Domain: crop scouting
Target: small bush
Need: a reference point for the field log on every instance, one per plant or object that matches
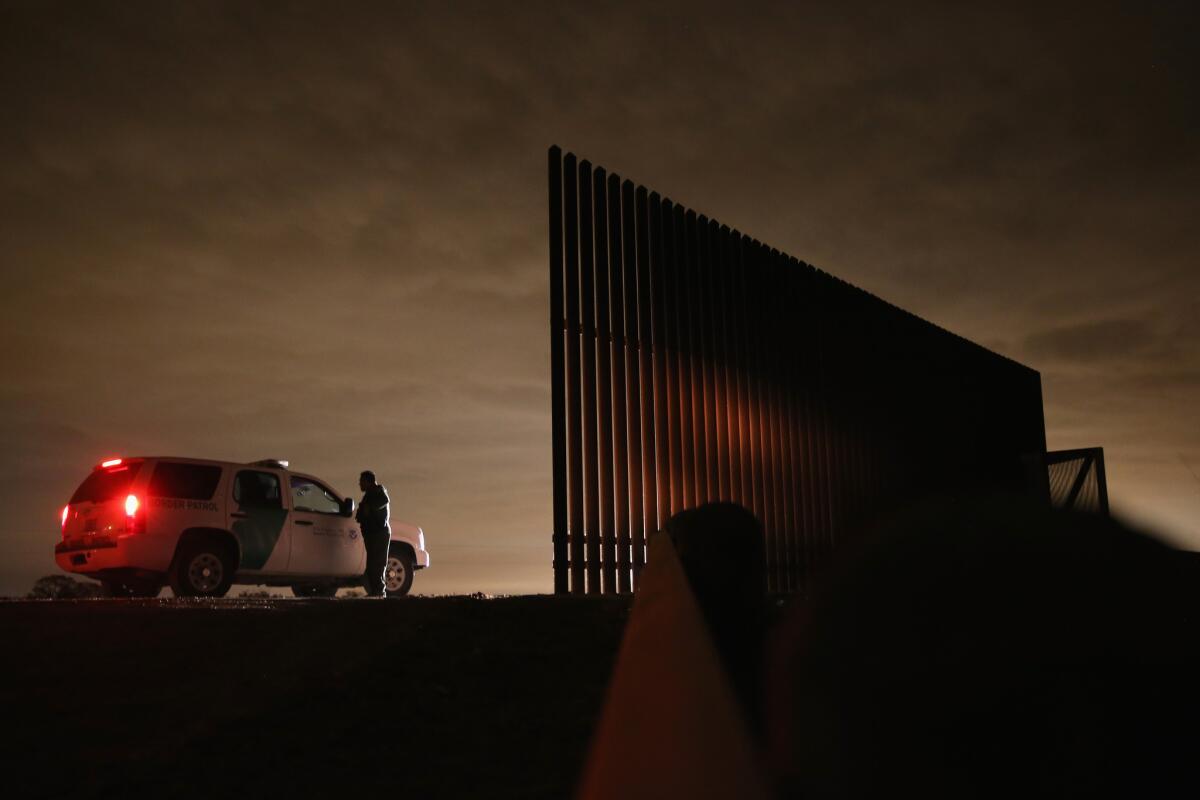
(63, 587)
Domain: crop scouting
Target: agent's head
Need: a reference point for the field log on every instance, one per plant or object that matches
(366, 480)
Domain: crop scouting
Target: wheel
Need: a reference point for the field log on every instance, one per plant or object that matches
(314, 589)
(398, 577)
(130, 589)
(202, 569)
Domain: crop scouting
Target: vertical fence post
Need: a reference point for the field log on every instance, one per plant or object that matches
(820, 297)
(749, 420)
(673, 231)
(591, 432)
(729, 354)
(802, 383)
(646, 379)
(558, 378)
(727, 396)
(666, 306)
(708, 367)
(574, 376)
(604, 384)
(619, 391)
(692, 438)
(633, 385)
(771, 312)
(783, 437)
(762, 367)
(659, 252)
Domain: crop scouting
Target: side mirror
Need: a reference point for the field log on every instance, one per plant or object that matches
(348, 507)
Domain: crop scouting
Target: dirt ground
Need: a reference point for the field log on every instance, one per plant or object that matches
(416, 697)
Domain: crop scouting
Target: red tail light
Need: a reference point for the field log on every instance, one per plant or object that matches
(66, 510)
(112, 462)
(134, 522)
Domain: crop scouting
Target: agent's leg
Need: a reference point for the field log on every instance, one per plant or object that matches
(377, 548)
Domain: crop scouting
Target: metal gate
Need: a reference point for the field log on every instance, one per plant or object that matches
(1077, 481)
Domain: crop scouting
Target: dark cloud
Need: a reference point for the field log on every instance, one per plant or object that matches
(1101, 340)
(1185, 381)
(237, 229)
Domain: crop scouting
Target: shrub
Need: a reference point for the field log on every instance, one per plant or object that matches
(63, 587)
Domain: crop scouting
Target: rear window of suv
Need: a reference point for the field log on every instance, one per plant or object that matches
(184, 481)
(105, 484)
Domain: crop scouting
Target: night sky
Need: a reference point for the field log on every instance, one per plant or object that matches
(317, 231)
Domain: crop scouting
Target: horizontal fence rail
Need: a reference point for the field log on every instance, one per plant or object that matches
(691, 363)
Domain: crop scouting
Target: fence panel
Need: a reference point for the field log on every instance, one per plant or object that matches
(691, 363)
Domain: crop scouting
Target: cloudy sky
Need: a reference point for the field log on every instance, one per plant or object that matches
(317, 231)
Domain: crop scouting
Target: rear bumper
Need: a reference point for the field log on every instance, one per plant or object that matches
(138, 553)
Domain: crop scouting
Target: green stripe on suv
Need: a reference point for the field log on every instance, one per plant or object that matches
(258, 533)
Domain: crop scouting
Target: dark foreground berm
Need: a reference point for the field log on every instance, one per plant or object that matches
(419, 697)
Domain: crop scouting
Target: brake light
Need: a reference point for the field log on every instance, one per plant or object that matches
(134, 522)
(66, 510)
(112, 462)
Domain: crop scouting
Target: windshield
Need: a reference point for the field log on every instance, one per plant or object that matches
(105, 484)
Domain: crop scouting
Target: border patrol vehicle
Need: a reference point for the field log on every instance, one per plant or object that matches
(136, 524)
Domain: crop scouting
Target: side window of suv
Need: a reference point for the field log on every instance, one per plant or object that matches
(257, 489)
(308, 495)
(185, 481)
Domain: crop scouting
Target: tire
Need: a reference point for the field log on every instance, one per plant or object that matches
(398, 577)
(202, 569)
(314, 589)
(130, 589)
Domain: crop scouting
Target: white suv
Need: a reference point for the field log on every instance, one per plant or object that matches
(136, 524)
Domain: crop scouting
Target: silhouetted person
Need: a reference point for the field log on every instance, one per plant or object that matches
(372, 516)
(720, 547)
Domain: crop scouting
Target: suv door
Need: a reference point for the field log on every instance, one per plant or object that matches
(258, 518)
(323, 541)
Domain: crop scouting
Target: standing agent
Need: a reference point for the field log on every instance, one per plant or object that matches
(372, 517)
